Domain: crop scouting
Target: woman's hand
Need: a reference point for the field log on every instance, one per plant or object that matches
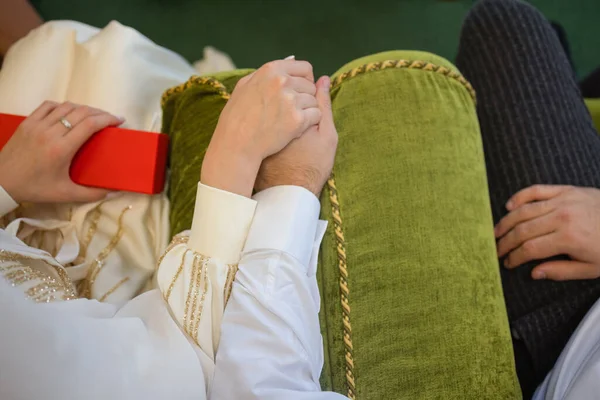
(267, 110)
(34, 164)
(548, 220)
(308, 160)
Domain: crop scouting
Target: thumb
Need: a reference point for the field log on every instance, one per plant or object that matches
(85, 194)
(324, 102)
(565, 271)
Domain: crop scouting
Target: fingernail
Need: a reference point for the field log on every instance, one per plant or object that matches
(292, 57)
(326, 82)
(121, 118)
(509, 205)
(537, 274)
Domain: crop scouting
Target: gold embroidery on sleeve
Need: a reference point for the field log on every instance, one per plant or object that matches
(194, 307)
(45, 290)
(87, 239)
(177, 274)
(231, 271)
(113, 289)
(198, 316)
(177, 240)
(198, 278)
(67, 284)
(98, 262)
(191, 288)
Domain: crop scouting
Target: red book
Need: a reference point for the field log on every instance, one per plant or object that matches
(113, 158)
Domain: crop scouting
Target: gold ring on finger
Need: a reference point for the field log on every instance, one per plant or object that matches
(66, 123)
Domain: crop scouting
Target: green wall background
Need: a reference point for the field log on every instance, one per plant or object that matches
(326, 32)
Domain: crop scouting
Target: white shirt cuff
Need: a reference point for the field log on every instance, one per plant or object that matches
(7, 204)
(221, 223)
(286, 219)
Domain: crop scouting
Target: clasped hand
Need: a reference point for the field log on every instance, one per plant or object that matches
(277, 129)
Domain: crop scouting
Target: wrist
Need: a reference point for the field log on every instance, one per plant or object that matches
(304, 178)
(234, 172)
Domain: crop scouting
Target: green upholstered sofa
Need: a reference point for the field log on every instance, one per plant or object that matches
(412, 304)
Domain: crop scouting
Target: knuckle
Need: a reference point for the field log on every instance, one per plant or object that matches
(529, 248)
(280, 81)
(85, 110)
(529, 210)
(539, 207)
(288, 97)
(521, 231)
(89, 123)
(536, 189)
(565, 215)
(269, 67)
(317, 115)
(296, 118)
(49, 103)
(307, 65)
(65, 107)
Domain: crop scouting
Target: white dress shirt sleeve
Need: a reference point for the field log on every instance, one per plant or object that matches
(271, 347)
(7, 204)
(147, 348)
(163, 344)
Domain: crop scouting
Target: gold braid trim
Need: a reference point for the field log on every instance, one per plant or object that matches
(177, 240)
(96, 265)
(335, 204)
(113, 289)
(344, 289)
(195, 80)
(197, 316)
(87, 239)
(231, 271)
(197, 290)
(408, 64)
(177, 274)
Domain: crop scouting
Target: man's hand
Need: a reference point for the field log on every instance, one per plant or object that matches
(34, 164)
(267, 110)
(547, 220)
(308, 160)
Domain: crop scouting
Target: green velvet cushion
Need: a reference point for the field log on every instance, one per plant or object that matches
(190, 115)
(409, 249)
